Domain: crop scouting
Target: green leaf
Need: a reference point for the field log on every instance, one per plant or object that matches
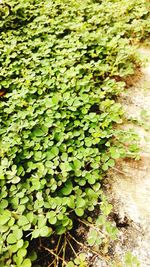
(4, 228)
(71, 202)
(77, 164)
(30, 217)
(80, 202)
(91, 178)
(3, 205)
(111, 163)
(32, 255)
(82, 182)
(36, 233)
(22, 252)
(92, 237)
(60, 230)
(13, 248)
(23, 220)
(106, 208)
(52, 153)
(19, 243)
(82, 256)
(38, 132)
(15, 180)
(55, 99)
(115, 154)
(4, 219)
(11, 239)
(45, 231)
(18, 234)
(11, 222)
(59, 216)
(26, 263)
(20, 170)
(105, 167)
(38, 155)
(67, 189)
(79, 212)
(65, 167)
(70, 264)
(41, 221)
(52, 220)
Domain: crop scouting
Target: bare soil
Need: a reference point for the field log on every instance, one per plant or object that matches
(129, 183)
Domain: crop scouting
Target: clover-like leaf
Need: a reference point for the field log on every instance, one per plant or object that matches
(62, 68)
(45, 231)
(26, 263)
(11, 239)
(67, 189)
(79, 212)
(23, 220)
(65, 167)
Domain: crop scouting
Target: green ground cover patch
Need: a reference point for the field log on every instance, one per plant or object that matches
(62, 64)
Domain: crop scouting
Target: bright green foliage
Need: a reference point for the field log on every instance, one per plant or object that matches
(60, 64)
(131, 261)
(128, 261)
(102, 231)
(79, 261)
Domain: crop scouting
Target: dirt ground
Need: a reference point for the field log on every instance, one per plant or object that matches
(129, 184)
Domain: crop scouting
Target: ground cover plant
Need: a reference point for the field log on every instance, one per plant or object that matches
(62, 66)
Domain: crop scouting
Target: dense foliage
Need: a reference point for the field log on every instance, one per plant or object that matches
(61, 68)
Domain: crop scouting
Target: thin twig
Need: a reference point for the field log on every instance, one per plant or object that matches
(91, 225)
(64, 251)
(56, 249)
(54, 254)
(55, 258)
(72, 248)
(124, 173)
(89, 249)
